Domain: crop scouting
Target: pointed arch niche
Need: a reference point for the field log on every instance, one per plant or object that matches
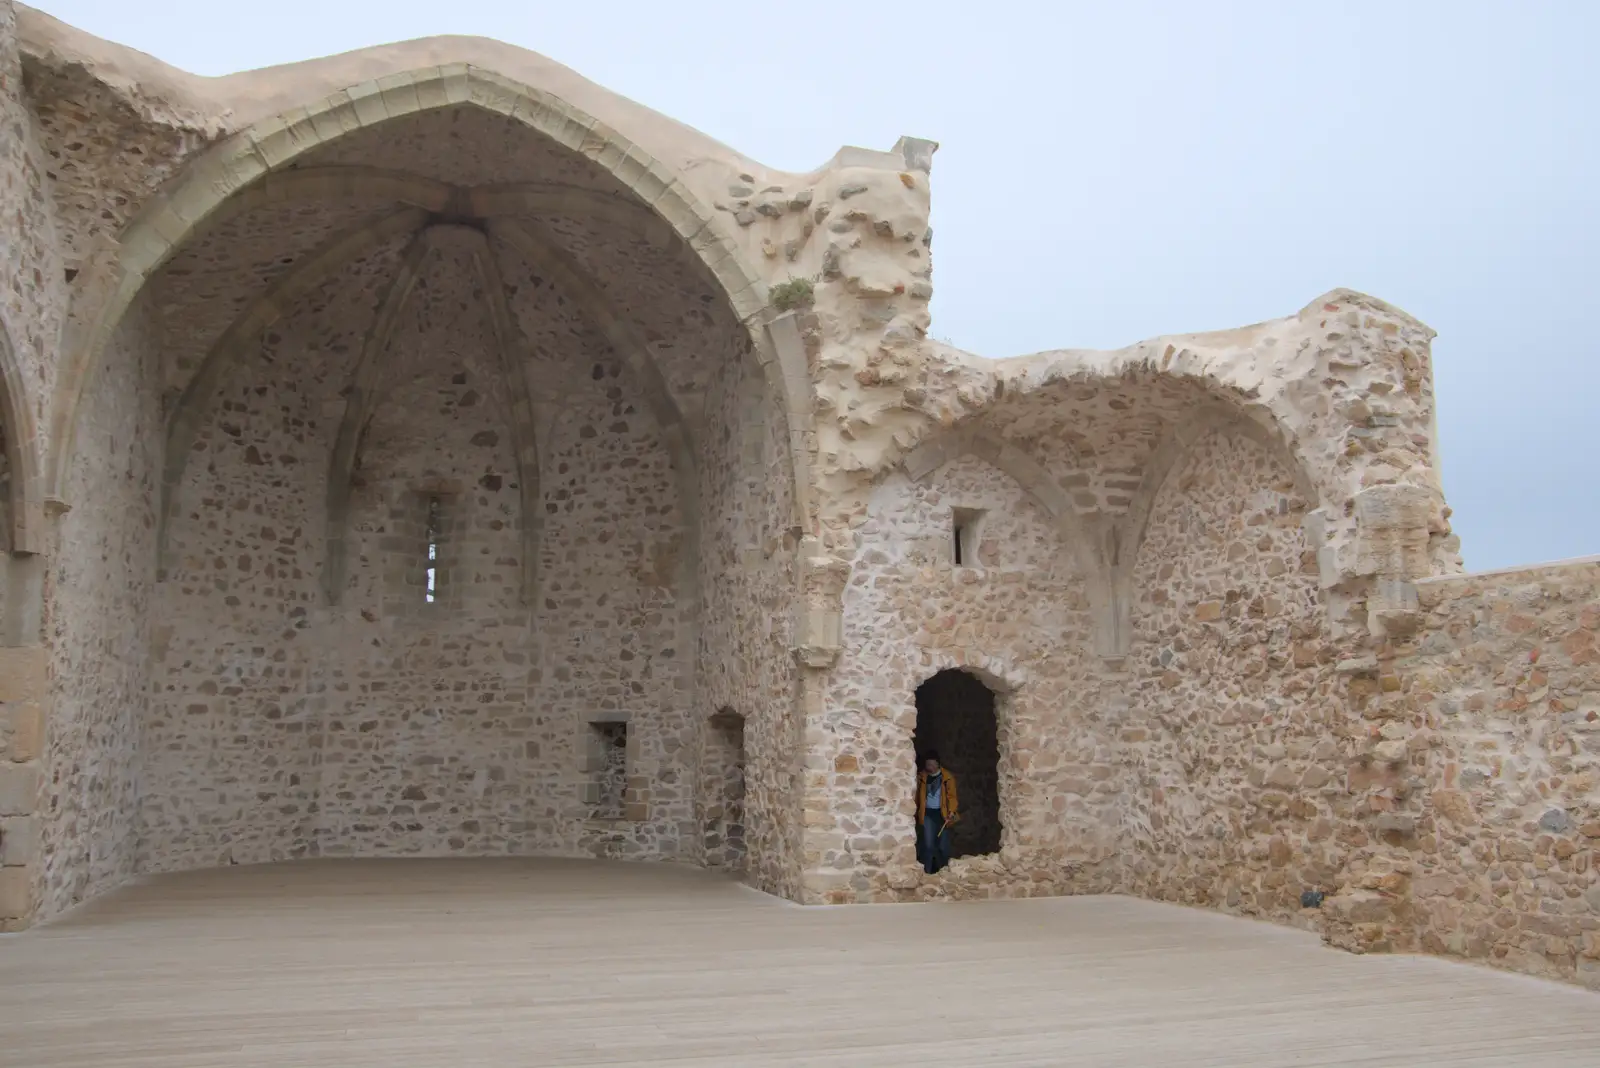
(428, 494)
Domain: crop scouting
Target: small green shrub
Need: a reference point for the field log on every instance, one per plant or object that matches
(792, 294)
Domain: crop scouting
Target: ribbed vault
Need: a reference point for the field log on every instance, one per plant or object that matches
(501, 214)
(429, 501)
(1094, 453)
(363, 144)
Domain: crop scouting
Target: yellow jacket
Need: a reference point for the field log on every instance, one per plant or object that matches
(947, 799)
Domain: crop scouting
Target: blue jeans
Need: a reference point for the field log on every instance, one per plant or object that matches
(935, 841)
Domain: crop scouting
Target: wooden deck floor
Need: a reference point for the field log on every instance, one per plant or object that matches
(457, 964)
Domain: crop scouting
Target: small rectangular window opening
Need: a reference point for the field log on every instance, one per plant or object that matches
(612, 741)
(964, 536)
(431, 587)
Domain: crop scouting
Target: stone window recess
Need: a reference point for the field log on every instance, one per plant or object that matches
(611, 790)
(723, 785)
(421, 549)
(965, 524)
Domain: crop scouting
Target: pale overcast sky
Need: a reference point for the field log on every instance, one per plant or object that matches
(1113, 171)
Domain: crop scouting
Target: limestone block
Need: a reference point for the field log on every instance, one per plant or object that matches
(23, 673)
(16, 899)
(1392, 529)
(19, 789)
(917, 152)
(22, 729)
(19, 840)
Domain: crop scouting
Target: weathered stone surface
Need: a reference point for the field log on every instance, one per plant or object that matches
(33, 258)
(19, 840)
(19, 789)
(692, 554)
(21, 731)
(100, 609)
(15, 896)
(1508, 677)
(1228, 784)
(1017, 615)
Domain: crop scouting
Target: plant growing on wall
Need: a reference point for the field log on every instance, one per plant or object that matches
(794, 293)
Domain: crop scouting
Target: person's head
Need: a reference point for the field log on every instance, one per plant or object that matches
(930, 762)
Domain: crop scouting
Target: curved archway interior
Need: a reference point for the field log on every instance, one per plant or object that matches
(492, 425)
(956, 719)
(323, 130)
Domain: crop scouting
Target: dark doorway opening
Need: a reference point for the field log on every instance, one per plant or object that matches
(956, 719)
(724, 791)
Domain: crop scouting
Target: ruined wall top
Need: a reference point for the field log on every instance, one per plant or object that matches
(218, 106)
(1344, 386)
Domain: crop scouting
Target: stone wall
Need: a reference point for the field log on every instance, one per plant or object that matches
(1020, 621)
(24, 693)
(747, 587)
(1236, 730)
(609, 635)
(29, 302)
(720, 795)
(24, 690)
(32, 280)
(86, 127)
(430, 743)
(384, 724)
(1286, 707)
(99, 611)
(232, 736)
(1503, 684)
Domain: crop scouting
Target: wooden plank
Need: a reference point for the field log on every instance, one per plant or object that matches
(401, 963)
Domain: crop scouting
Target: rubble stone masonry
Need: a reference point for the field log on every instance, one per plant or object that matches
(426, 452)
(1504, 690)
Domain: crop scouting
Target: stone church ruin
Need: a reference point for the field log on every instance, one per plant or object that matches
(425, 452)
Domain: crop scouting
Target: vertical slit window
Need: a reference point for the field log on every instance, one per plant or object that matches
(431, 583)
(964, 536)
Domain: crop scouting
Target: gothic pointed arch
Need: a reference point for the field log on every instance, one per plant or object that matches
(275, 143)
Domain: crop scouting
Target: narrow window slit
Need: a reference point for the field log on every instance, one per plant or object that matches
(964, 536)
(431, 593)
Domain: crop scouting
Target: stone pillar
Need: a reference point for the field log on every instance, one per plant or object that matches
(1372, 910)
(818, 638)
(866, 247)
(23, 688)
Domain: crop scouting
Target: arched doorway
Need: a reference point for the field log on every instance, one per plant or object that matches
(723, 791)
(956, 719)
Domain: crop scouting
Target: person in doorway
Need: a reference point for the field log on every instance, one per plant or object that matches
(936, 813)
